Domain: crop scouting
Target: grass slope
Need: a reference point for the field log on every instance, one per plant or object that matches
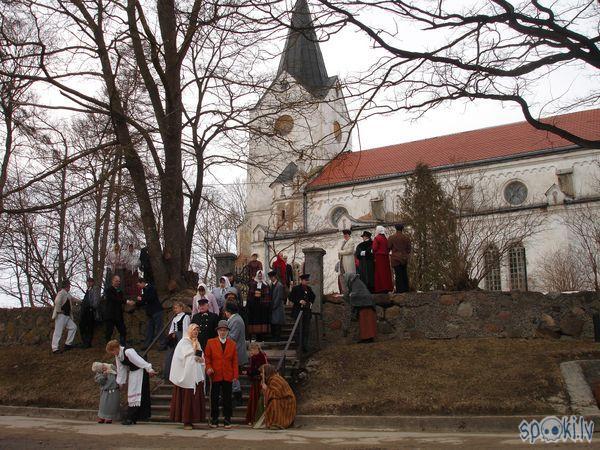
(463, 376)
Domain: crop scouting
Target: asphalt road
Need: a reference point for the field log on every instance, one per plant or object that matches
(40, 433)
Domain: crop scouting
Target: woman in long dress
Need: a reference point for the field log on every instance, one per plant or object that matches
(259, 307)
(177, 330)
(361, 303)
(280, 401)
(187, 376)
(383, 270)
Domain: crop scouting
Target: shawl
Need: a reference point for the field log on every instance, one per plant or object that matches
(186, 372)
(357, 294)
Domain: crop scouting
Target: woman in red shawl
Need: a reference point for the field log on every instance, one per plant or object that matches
(279, 266)
(257, 359)
(383, 271)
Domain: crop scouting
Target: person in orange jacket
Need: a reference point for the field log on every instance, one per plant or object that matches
(221, 361)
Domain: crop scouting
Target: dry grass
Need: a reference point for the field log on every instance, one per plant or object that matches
(33, 376)
(466, 376)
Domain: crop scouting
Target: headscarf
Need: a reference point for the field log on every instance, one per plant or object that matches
(259, 282)
(194, 340)
(357, 294)
(227, 283)
(99, 366)
(379, 229)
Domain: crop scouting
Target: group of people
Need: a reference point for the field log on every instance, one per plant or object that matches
(374, 258)
(199, 365)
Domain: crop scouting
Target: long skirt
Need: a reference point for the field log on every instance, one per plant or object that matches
(367, 323)
(259, 316)
(186, 406)
(130, 284)
(110, 404)
(253, 402)
(383, 274)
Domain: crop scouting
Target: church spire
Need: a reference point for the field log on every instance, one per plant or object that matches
(302, 56)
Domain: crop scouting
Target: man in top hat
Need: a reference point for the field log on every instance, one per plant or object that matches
(278, 297)
(207, 321)
(302, 298)
(346, 253)
(366, 266)
(400, 249)
(220, 357)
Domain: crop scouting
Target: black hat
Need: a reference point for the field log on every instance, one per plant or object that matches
(399, 226)
(272, 273)
(366, 234)
(305, 276)
(346, 231)
(202, 300)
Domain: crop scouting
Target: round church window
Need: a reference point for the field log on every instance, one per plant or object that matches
(283, 125)
(337, 131)
(515, 193)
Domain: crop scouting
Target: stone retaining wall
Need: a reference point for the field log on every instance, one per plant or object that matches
(33, 326)
(447, 315)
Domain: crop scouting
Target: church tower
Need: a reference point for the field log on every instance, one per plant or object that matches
(299, 125)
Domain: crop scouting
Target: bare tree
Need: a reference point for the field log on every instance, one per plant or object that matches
(500, 50)
(563, 269)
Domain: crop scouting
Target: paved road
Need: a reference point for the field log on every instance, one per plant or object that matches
(18, 432)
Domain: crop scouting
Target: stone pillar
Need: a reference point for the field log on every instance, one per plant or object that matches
(225, 262)
(313, 265)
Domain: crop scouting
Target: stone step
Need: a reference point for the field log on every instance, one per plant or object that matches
(236, 420)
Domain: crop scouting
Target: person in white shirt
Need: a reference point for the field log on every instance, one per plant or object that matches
(177, 329)
(62, 314)
(134, 371)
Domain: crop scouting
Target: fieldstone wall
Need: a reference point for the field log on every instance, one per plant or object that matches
(470, 314)
(34, 326)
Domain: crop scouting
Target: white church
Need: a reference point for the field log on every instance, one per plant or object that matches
(305, 184)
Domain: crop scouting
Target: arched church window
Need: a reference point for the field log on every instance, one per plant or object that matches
(337, 131)
(284, 125)
(337, 214)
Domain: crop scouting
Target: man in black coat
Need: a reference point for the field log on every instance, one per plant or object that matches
(154, 310)
(89, 312)
(303, 297)
(366, 266)
(114, 310)
(207, 321)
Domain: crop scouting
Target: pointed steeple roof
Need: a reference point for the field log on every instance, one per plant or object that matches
(302, 57)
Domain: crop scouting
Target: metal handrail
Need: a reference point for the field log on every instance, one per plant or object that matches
(158, 335)
(289, 341)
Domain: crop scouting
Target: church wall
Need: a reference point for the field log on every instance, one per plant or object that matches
(538, 174)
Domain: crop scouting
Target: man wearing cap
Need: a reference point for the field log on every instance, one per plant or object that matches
(89, 312)
(278, 298)
(207, 321)
(221, 361)
(237, 332)
(346, 253)
(400, 249)
(364, 255)
(302, 297)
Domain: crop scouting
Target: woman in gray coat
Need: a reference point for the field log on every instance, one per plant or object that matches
(278, 298)
(360, 300)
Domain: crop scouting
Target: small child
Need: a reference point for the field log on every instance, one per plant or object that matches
(257, 359)
(106, 377)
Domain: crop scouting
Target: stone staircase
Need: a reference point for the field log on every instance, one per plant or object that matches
(161, 394)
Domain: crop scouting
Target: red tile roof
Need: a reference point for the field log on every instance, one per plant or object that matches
(478, 145)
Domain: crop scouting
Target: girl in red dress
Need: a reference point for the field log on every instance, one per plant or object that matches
(257, 359)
